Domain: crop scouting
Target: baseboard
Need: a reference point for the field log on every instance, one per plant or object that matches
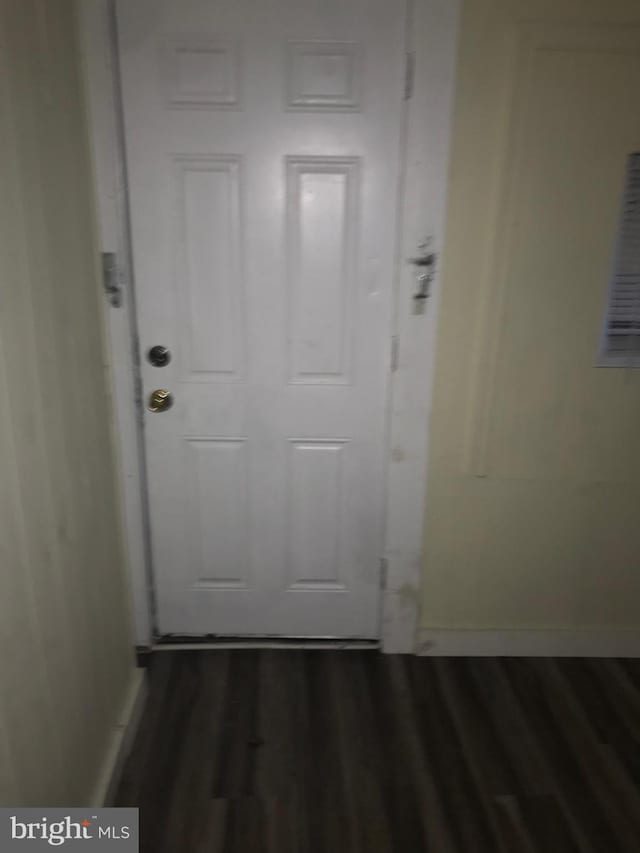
(266, 643)
(597, 643)
(121, 740)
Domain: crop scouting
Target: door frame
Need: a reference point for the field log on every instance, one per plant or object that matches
(432, 27)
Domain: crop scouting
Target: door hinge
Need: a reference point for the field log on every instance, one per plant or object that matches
(111, 279)
(409, 74)
(395, 347)
(384, 571)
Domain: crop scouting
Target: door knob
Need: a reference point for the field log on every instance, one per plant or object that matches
(160, 400)
(159, 356)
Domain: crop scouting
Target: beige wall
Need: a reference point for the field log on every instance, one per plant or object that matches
(66, 663)
(533, 516)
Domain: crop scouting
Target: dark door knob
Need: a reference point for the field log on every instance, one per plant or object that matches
(159, 356)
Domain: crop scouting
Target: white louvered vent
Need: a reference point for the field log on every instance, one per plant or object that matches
(621, 343)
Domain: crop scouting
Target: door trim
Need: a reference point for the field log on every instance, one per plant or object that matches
(431, 43)
(96, 30)
(432, 29)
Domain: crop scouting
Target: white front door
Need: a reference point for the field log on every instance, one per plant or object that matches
(263, 154)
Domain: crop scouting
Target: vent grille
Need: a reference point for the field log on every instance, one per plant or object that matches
(622, 330)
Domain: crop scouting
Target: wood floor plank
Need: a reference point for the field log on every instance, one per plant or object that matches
(327, 808)
(190, 802)
(292, 751)
(234, 774)
(502, 715)
(245, 827)
(161, 760)
(547, 805)
(386, 750)
(514, 829)
(466, 811)
(304, 799)
(622, 693)
(385, 754)
(276, 767)
(135, 774)
(606, 776)
(486, 748)
(211, 831)
(282, 829)
(549, 827)
(551, 732)
(359, 765)
(487, 769)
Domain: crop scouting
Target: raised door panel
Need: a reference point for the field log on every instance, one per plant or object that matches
(316, 515)
(208, 280)
(322, 223)
(201, 72)
(220, 522)
(323, 75)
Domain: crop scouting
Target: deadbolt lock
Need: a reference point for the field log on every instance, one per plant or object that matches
(159, 356)
(160, 400)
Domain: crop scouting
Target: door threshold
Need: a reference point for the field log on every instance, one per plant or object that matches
(177, 643)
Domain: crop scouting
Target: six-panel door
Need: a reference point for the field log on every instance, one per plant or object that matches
(263, 144)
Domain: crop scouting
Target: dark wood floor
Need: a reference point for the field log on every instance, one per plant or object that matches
(356, 752)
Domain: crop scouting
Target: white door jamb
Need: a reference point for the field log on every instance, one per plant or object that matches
(431, 42)
(96, 29)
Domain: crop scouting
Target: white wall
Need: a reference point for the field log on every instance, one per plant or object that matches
(66, 662)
